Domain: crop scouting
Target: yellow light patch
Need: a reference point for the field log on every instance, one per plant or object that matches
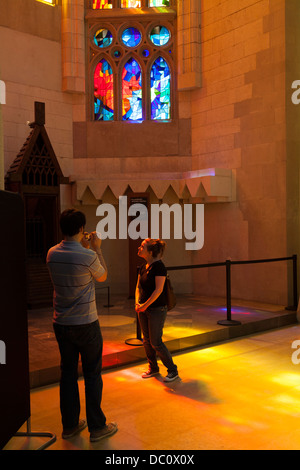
(287, 380)
(48, 2)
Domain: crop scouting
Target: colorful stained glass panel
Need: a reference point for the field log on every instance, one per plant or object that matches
(132, 91)
(159, 3)
(160, 90)
(160, 35)
(103, 38)
(131, 37)
(102, 4)
(131, 4)
(103, 92)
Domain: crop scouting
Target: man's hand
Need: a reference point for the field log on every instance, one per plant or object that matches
(85, 242)
(95, 241)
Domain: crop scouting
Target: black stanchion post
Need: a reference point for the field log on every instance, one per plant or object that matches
(228, 321)
(295, 285)
(138, 340)
(295, 282)
(228, 288)
(108, 297)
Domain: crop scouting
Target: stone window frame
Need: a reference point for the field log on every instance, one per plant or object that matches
(116, 20)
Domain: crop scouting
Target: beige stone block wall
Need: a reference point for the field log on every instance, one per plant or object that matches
(32, 72)
(238, 122)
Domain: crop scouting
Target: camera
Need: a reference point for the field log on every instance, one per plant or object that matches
(87, 236)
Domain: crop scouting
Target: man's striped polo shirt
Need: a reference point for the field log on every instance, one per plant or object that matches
(73, 269)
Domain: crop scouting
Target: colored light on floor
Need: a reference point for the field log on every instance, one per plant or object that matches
(233, 311)
(287, 379)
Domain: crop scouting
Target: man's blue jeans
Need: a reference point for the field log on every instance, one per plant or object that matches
(87, 341)
(152, 322)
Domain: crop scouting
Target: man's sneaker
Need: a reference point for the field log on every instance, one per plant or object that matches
(150, 373)
(171, 376)
(108, 430)
(67, 433)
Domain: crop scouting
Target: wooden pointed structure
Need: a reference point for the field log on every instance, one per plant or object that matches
(36, 175)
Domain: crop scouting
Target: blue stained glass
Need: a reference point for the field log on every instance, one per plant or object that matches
(159, 3)
(160, 90)
(160, 35)
(131, 37)
(103, 38)
(132, 91)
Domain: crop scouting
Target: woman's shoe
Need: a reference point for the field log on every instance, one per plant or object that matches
(150, 373)
(171, 376)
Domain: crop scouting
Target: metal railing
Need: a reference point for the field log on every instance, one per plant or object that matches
(228, 264)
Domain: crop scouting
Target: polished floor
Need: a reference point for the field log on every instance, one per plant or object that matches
(192, 323)
(241, 394)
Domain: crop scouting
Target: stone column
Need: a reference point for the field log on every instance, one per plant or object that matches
(73, 46)
(189, 44)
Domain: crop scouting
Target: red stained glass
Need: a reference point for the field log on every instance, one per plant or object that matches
(104, 92)
(102, 4)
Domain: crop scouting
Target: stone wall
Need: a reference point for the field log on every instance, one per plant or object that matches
(238, 122)
(31, 67)
(233, 112)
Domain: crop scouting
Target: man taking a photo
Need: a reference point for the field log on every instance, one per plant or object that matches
(74, 264)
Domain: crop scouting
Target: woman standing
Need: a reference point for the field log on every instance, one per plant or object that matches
(151, 306)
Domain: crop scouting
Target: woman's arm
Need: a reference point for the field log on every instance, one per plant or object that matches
(137, 292)
(159, 286)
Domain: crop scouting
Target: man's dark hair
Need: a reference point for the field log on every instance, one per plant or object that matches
(71, 221)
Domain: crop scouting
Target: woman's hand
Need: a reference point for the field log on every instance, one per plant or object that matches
(159, 286)
(140, 307)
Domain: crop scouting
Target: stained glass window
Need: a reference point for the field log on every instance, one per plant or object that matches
(103, 92)
(132, 80)
(132, 91)
(160, 35)
(159, 3)
(131, 37)
(160, 90)
(131, 3)
(103, 38)
(101, 4)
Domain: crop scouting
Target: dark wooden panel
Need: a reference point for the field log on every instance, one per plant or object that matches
(14, 369)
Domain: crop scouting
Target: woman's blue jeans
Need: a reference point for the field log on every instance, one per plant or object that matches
(152, 322)
(87, 341)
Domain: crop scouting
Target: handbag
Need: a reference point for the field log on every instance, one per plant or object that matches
(171, 298)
